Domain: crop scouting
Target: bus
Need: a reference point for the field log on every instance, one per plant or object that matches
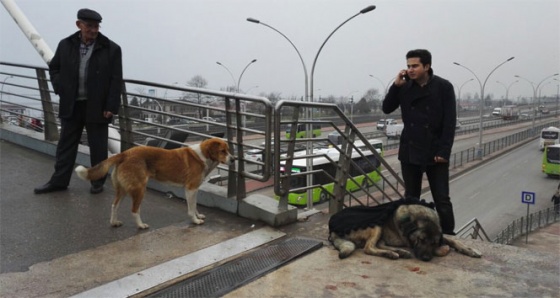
(368, 164)
(549, 136)
(301, 131)
(551, 161)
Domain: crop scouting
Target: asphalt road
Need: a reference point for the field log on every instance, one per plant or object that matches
(492, 193)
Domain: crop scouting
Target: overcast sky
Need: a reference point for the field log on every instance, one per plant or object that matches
(169, 41)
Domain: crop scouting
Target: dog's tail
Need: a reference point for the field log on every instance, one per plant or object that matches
(100, 170)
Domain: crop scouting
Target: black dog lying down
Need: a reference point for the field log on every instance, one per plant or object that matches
(382, 229)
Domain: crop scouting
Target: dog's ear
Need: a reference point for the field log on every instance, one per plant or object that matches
(407, 225)
(216, 147)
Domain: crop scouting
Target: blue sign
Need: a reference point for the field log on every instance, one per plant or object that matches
(527, 197)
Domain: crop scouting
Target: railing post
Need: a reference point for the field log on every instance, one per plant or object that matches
(125, 124)
(51, 129)
(236, 181)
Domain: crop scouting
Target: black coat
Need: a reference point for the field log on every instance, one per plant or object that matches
(429, 117)
(104, 77)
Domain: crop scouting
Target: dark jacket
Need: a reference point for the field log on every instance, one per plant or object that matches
(429, 117)
(104, 77)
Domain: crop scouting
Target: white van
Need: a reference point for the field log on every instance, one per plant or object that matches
(382, 123)
(497, 112)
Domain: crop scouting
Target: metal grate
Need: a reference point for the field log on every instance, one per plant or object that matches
(224, 279)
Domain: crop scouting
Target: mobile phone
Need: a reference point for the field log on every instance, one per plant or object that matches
(406, 77)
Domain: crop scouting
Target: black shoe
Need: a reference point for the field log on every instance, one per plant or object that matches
(95, 189)
(49, 187)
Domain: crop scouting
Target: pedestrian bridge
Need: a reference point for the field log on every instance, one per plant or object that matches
(61, 244)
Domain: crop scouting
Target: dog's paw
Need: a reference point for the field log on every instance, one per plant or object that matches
(346, 249)
(116, 223)
(404, 254)
(390, 255)
(473, 253)
(200, 216)
(442, 251)
(143, 226)
(197, 221)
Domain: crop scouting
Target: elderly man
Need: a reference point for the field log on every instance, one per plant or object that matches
(86, 73)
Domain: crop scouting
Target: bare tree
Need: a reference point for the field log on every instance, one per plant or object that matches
(373, 97)
(198, 82)
(362, 107)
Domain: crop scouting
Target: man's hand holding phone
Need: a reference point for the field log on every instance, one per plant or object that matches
(401, 79)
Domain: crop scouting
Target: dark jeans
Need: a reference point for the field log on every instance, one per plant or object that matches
(438, 178)
(67, 148)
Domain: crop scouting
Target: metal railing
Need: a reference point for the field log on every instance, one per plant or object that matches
(473, 230)
(527, 224)
(148, 119)
(349, 135)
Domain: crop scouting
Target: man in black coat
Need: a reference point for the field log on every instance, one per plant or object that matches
(86, 73)
(427, 104)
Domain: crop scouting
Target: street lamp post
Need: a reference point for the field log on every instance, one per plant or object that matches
(309, 89)
(237, 84)
(459, 95)
(165, 94)
(479, 150)
(231, 74)
(363, 11)
(351, 97)
(2, 91)
(535, 88)
(382, 84)
(247, 92)
(352, 108)
(507, 89)
(541, 88)
(295, 48)
(241, 75)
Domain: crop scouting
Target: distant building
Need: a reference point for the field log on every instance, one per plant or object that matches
(9, 111)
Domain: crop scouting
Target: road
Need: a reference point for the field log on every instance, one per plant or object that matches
(492, 192)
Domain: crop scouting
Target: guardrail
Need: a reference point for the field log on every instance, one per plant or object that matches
(458, 159)
(473, 230)
(146, 118)
(149, 116)
(524, 225)
(337, 170)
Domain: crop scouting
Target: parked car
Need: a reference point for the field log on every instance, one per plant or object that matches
(382, 123)
(254, 155)
(209, 119)
(178, 121)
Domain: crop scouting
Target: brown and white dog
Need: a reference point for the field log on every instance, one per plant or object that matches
(185, 167)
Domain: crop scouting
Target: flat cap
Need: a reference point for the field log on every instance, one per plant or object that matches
(88, 14)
